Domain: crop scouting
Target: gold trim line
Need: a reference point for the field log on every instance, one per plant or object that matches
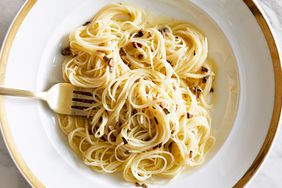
(30, 177)
(277, 99)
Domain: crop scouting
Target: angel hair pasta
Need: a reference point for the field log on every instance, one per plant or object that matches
(150, 115)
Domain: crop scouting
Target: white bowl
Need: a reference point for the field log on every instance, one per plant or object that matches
(247, 99)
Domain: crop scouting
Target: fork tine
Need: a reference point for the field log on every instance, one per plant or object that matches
(81, 96)
(87, 93)
(81, 99)
(78, 112)
(83, 93)
(82, 104)
(69, 100)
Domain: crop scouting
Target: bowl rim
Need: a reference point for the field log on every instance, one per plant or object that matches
(263, 152)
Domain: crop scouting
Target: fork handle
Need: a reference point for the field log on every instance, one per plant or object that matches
(16, 92)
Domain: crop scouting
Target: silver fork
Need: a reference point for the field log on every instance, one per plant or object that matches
(62, 98)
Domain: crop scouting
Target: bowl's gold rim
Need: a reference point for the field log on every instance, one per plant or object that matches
(34, 181)
(274, 124)
(6, 47)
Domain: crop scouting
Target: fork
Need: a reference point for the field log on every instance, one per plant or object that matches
(62, 98)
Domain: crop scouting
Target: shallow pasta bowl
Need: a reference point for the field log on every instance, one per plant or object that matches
(247, 99)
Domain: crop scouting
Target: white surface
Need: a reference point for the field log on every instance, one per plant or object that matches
(262, 180)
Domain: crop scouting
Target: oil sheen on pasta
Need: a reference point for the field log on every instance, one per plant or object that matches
(150, 115)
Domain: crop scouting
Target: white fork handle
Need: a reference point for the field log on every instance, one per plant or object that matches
(16, 92)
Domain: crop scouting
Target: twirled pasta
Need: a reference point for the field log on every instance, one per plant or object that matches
(150, 86)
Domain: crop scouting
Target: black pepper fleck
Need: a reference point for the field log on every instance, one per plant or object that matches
(140, 56)
(137, 45)
(139, 34)
(166, 111)
(134, 111)
(189, 115)
(156, 120)
(122, 52)
(205, 79)
(163, 30)
(204, 69)
(143, 185)
(66, 51)
(106, 59)
(86, 23)
(109, 61)
(124, 140)
(190, 154)
(196, 91)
